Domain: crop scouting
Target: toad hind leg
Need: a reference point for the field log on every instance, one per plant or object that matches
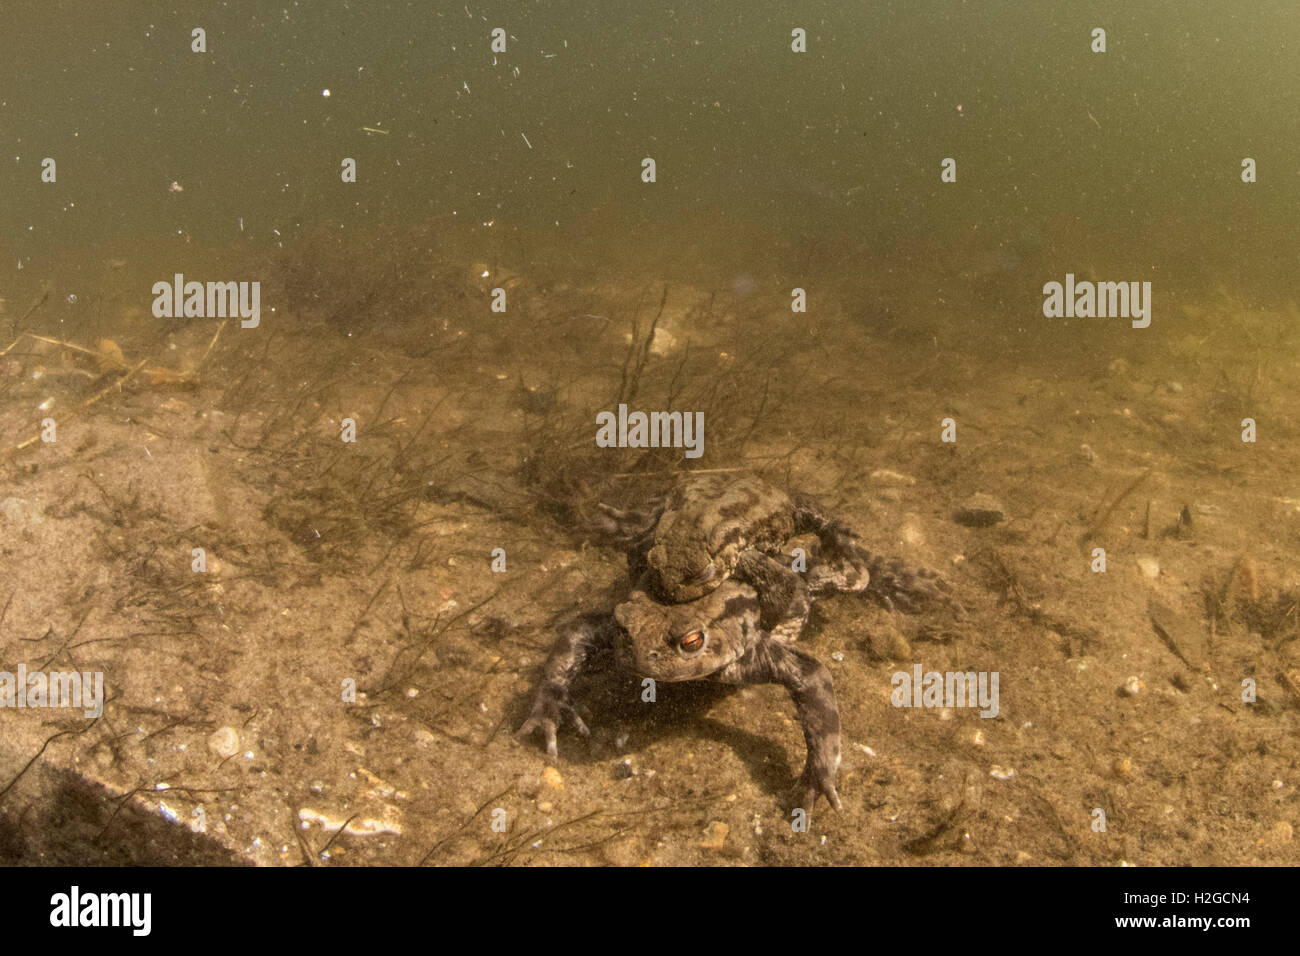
(809, 684)
(843, 564)
(575, 641)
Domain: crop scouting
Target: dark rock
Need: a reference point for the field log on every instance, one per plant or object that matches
(979, 511)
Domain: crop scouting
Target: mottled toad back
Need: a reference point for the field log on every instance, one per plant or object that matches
(707, 522)
(713, 527)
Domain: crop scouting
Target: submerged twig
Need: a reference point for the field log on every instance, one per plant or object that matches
(1103, 516)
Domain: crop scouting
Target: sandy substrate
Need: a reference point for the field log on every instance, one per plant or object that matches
(229, 735)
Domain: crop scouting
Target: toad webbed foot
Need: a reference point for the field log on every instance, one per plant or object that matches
(815, 780)
(894, 585)
(627, 526)
(552, 704)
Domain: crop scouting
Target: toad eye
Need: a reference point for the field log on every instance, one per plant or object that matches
(692, 643)
(703, 576)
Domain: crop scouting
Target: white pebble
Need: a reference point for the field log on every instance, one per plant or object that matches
(224, 742)
(1149, 566)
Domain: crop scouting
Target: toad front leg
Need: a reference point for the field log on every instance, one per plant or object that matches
(783, 597)
(574, 643)
(809, 684)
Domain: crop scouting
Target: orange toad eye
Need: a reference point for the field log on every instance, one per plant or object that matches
(692, 642)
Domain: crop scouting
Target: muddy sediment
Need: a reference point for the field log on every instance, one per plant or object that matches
(308, 656)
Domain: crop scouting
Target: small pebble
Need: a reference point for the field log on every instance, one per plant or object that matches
(21, 512)
(1134, 686)
(528, 785)
(1282, 833)
(224, 742)
(551, 777)
(715, 835)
